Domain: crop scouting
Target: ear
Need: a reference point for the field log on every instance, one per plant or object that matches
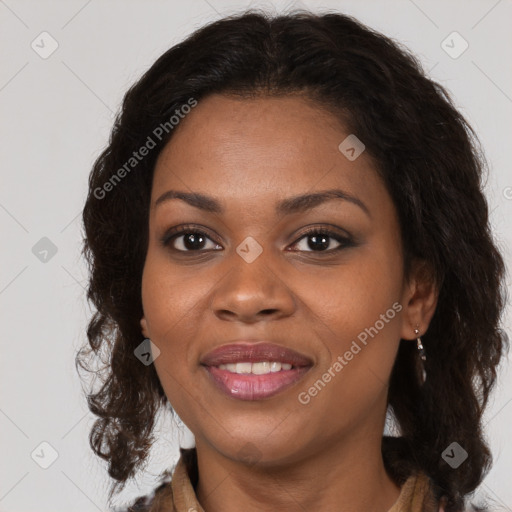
(419, 300)
(144, 327)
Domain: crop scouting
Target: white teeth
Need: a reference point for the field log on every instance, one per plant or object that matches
(243, 368)
(259, 368)
(275, 367)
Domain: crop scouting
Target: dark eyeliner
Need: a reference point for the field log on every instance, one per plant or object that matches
(170, 234)
(345, 241)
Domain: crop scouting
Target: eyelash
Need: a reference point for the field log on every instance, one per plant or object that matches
(174, 233)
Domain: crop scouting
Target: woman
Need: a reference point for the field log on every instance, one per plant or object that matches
(288, 239)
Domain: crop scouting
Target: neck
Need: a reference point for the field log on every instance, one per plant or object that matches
(342, 477)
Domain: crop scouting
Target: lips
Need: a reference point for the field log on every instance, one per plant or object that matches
(254, 352)
(222, 364)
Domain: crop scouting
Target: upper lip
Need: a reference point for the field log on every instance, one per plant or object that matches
(244, 351)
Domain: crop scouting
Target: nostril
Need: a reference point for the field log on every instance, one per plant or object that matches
(268, 311)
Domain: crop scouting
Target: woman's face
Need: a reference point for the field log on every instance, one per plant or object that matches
(338, 298)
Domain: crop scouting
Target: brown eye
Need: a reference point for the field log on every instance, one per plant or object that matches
(322, 240)
(189, 239)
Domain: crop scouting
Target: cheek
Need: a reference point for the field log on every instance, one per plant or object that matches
(360, 323)
(169, 295)
(353, 295)
(169, 307)
(359, 312)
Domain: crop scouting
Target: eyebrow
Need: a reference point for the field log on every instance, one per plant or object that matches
(296, 204)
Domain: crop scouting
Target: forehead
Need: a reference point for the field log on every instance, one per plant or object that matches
(261, 148)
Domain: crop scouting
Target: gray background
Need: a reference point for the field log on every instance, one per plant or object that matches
(56, 113)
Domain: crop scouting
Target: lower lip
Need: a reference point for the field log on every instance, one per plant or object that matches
(255, 387)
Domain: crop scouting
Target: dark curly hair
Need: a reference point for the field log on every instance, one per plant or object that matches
(432, 165)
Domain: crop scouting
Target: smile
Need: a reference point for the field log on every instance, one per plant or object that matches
(246, 385)
(260, 368)
(254, 370)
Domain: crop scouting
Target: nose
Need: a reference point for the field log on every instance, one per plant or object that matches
(252, 292)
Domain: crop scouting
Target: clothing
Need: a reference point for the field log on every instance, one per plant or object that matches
(178, 495)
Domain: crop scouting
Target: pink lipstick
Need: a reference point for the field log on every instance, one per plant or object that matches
(254, 371)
